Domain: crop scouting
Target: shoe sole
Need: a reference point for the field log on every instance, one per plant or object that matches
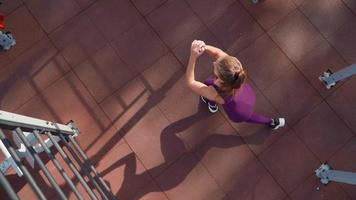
(282, 123)
(213, 110)
(209, 106)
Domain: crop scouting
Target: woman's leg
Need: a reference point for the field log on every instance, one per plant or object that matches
(259, 119)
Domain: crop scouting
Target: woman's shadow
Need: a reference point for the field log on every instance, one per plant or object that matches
(171, 145)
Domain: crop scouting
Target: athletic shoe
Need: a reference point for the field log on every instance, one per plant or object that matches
(277, 123)
(213, 108)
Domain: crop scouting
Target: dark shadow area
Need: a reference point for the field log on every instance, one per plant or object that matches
(171, 156)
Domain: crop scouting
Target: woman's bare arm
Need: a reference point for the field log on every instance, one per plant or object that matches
(196, 86)
(214, 52)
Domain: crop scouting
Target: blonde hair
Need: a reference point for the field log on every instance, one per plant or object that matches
(230, 71)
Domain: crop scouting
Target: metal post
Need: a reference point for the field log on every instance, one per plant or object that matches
(41, 164)
(72, 167)
(9, 161)
(57, 165)
(326, 174)
(330, 79)
(90, 165)
(7, 40)
(24, 170)
(7, 187)
(85, 170)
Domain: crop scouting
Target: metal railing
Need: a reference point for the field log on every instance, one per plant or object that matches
(28, 134)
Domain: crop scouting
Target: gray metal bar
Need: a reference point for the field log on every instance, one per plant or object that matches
(326, 174)
(7, 187)
(58, 165)
(72, 167)
(83, 167)
(342, 74)
(11, 121)
(330, 78)
(40, 163)
(24, 170)
(91, 166)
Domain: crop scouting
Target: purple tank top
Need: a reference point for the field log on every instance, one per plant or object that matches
(239, 106)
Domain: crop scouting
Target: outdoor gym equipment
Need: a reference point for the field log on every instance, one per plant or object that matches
(327, 174)
(28, 136)
(6, 40)
(330, 79)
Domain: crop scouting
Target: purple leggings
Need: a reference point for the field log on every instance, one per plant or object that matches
(239, 107)
(259, 119)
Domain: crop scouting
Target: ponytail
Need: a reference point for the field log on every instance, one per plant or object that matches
(231, 73)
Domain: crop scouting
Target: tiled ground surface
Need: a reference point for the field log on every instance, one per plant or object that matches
(116, 67)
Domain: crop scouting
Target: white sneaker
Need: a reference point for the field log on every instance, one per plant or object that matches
(278, 123)
(213, 108)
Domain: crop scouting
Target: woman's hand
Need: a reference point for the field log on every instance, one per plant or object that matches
(197, 48)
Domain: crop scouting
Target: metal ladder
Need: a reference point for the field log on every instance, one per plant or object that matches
(27, 134)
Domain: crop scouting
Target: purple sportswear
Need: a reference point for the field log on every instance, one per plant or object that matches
(239, 106)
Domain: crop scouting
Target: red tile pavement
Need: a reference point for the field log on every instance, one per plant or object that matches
(343, 40)
(319, 60)
(85, 3)
(41, 65)
(152, 76)
(341, 100)
(4, 60)
(289, 161)
(270, 12)
(140, 38)
(295, 35)
(103, 73)
(293, 96)
(113, 17)
(155, 141)
(15, 90)
(177, 181)
(209, 10)
(327, 15)
(116, 67)
(313, 189)
(145, 7)
(235, 28)
(178, 14)
(124, 172)
(76, 38)
(151, 192)
(9, 6)
(317, 130)
(51, 14)
(255, 183)
(351, 4)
